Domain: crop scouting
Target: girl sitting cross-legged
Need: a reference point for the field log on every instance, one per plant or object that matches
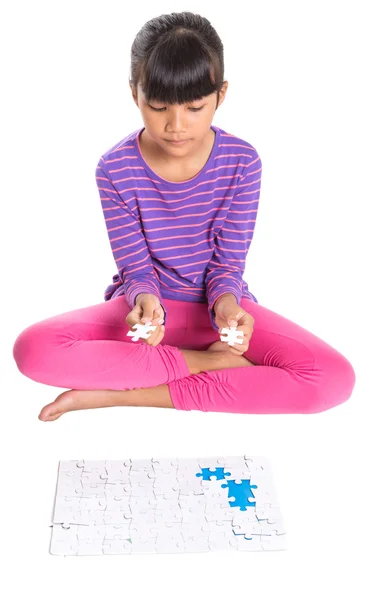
(180, 198)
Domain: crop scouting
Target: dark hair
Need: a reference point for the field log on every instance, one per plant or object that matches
(177, 58)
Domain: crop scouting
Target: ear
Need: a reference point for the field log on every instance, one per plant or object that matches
(223, 92)
(134, 95)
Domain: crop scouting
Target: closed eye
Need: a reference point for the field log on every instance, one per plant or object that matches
(161, 109)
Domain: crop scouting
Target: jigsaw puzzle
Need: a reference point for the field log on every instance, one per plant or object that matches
(232, 336)
(158, 505)
(141, 331)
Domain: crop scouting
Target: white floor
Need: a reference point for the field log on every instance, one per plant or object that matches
(320, 468)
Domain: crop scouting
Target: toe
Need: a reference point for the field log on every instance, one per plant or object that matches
(49, 412)
(55, 409)
(54, 416)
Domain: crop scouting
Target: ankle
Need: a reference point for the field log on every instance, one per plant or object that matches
(202, 360)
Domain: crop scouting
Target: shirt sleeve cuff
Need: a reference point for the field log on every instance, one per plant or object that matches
(211, 302)
(131, 300)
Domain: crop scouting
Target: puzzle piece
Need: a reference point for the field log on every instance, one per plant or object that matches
(90, 548)
(115, 517)
(191, 501)
(165, 545)
(233, 336)
(144, 546)
(187, 505)
(268, 512)
(118, 465)
(217, 473)
(262, 527)
(68, 466)
(88, 532)
(219, 513)
(252, 544)
(118, 489)
(197, 544)
(164, 464)
(91, 466)
(222, 541)
(273, 542)
(116, 547)
(240, 492)
(141, 331)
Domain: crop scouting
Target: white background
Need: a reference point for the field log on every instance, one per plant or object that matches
(299, 92)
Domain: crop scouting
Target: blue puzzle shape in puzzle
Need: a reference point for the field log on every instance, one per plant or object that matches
(240, 492)
(218, 473)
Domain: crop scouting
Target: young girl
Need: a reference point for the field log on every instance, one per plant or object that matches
(180, 199)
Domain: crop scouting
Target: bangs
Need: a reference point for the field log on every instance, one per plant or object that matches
(179, 70)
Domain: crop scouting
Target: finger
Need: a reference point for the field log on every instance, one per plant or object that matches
(153, 339)
(156, 317)
(158, 338)
(158, 320)
(159, 315)
(245, 321)
(137, 318)
(247, 334)
(238, 352)
(148, 315)
(161, 334)
(235, 351)
(133, 317)
(132, 322)
(241, 348)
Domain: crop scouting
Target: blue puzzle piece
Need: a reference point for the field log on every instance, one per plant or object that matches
(207, 473)
(240, 492)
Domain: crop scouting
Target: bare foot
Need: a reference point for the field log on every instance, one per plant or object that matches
(232, 360)
(77, 400)
(63, 403)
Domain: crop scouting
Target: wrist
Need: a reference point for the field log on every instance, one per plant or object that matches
(224, 298)
(140, 296)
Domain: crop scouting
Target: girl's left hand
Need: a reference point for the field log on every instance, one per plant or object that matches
(230, 314)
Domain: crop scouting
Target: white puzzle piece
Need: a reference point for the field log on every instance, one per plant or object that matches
(233, 336)
(137, 506)
(142, 330)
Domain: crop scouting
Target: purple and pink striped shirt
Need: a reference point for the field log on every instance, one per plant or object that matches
(183, 240)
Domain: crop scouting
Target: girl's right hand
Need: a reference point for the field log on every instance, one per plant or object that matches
(146, 309)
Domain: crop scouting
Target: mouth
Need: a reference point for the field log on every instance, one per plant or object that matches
(177, 143)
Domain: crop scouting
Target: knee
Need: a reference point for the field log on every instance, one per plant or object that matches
(27, 349)
(335, 384)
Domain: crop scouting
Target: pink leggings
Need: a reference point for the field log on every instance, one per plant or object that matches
(87, 348)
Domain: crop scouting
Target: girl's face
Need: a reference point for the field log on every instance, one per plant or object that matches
(190, 122)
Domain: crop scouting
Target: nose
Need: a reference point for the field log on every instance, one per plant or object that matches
(176, 120)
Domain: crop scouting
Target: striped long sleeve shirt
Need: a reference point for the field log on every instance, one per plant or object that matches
(183, 240)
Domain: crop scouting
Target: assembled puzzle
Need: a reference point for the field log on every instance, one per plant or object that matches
(158, 505)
